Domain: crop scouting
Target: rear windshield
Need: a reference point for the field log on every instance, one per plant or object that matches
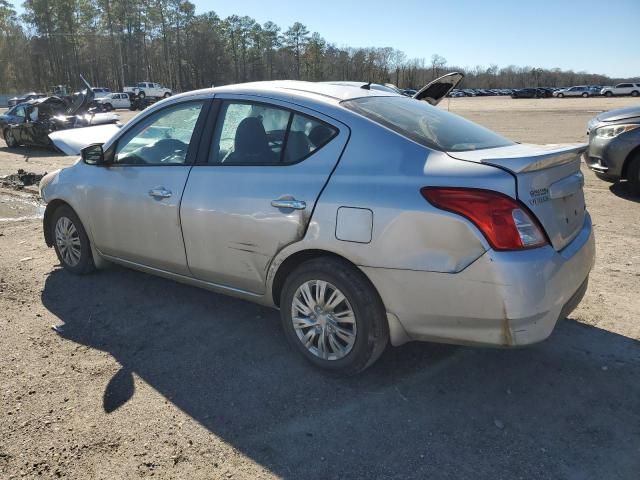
(427, 125)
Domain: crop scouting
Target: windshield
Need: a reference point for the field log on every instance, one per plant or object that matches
(427, 125)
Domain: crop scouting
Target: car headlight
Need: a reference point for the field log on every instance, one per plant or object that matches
(615, 130)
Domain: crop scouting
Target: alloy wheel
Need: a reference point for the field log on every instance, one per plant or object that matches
(323, 320)
(68, 241)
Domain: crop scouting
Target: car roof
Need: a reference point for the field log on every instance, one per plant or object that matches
(331, 93)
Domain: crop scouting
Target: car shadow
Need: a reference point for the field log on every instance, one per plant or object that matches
(567, 408)
(622, 190)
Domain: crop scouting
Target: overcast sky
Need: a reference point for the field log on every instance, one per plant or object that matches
(591, 35)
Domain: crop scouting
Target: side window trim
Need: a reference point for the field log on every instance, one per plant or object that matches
(194, 144)
(206, 142)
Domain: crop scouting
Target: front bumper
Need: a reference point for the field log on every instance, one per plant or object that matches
(502, 299)
(607, 155)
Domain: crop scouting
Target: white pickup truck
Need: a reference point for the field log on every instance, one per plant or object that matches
(149, 89)
(114, 101)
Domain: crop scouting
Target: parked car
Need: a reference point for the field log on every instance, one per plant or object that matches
(24, 98)
(526, 93)
(614, 146)
(31, 122)
(632, 89)
(363, 215)
(579, 91)
(149, 89)
(114, 101)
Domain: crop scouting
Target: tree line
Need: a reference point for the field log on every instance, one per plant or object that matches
(114, 43)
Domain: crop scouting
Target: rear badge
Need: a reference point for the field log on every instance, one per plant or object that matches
(538, 196)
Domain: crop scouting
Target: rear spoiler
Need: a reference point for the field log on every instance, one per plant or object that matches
(524, 158)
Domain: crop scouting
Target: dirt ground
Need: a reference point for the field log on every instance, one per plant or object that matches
(152, 378)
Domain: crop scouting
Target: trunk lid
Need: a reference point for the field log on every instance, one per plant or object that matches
(436, 90)
(549, 182)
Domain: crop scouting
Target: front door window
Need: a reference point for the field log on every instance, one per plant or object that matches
(161, 139)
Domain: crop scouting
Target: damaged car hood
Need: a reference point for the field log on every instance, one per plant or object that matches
(70, 142)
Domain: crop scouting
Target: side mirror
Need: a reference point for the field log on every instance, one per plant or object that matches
(93, 154)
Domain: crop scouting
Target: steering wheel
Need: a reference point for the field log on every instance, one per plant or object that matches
(167, 149)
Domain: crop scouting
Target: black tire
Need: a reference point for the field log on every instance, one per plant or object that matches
(633, 174)
(372, 329)
(585, 95)
(167, 95)
(561, 95)
(9, 139)
(605, 177)
(141, 94)
(108, 107)
(635, 93)
(608, 94)
(85, 262)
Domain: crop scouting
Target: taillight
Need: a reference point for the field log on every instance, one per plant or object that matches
(505, 222)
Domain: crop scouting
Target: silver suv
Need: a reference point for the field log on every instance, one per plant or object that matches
(632, 89)
(614, 146)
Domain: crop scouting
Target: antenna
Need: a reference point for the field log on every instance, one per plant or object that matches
(367, 86)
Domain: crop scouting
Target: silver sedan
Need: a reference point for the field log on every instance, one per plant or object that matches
(366, 217)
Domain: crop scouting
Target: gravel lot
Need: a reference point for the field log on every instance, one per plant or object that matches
(153, 378)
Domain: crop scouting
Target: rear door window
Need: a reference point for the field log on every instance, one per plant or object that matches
(250, 133)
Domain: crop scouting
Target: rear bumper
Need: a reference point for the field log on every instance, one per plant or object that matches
(502, 299)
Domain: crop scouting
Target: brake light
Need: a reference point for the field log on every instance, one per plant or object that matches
(506, 223)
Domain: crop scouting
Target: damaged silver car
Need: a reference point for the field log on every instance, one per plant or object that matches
(366, 217)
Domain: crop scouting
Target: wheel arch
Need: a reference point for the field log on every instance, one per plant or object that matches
(52, 206)
(290, 263)
(627, 161)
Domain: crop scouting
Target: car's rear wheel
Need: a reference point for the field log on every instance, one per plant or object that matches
(9, 138)
(333, 316)
(635, 93)
(70, 241)
(633, 174)
(561, 95)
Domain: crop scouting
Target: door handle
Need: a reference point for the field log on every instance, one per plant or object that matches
(159, 192)
(294, 204)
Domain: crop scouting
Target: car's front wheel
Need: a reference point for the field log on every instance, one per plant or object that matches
(585, 95)
(561, 95)
(605, 177)
(70, 241)
(633, 174)
(9, 139)
(333, 316)
(167, 95)
(608, 94)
